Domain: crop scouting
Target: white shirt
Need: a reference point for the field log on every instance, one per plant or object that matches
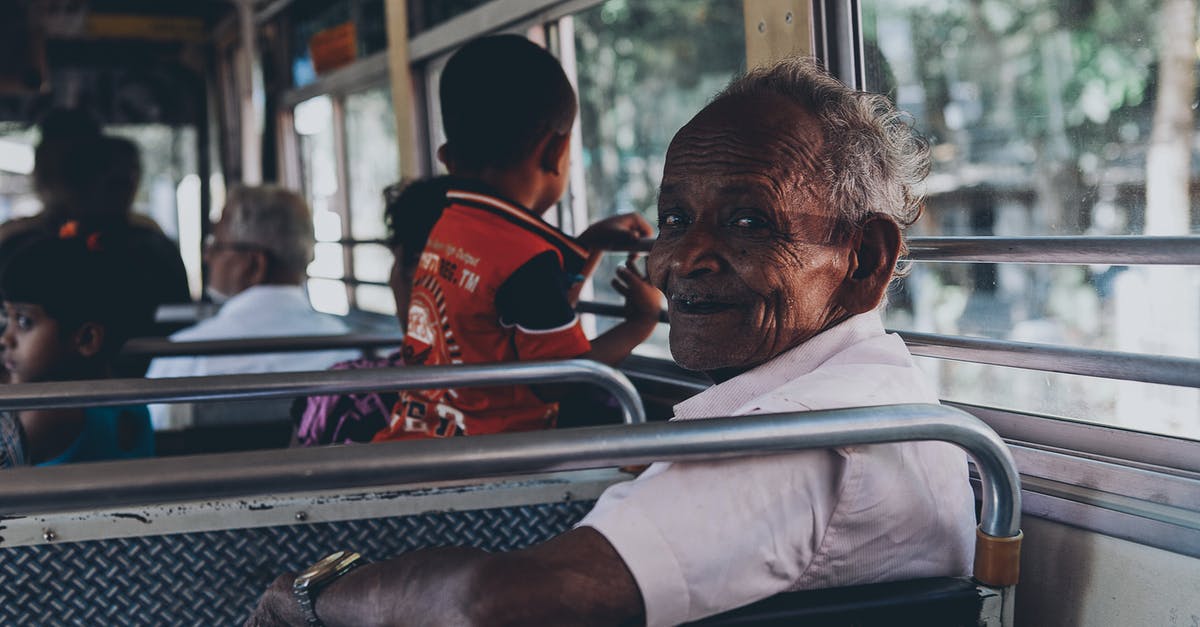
(701, 538)
(260, 311)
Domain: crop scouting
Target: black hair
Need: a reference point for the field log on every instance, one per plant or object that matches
(500, 96)
(411, 210)
(68, 125)
(80, 277)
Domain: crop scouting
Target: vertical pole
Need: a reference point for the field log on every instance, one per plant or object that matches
(776, 29)
(342, 198)
(402, 88)
(249, 95)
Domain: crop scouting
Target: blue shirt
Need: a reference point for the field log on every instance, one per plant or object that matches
(102, 439)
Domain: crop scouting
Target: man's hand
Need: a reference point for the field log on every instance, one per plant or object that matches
(621, 230)
(277, 607)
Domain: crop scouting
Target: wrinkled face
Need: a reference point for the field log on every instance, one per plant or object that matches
(34, 347)
(747, 252)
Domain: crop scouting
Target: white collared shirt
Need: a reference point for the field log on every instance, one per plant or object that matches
(259, 311)
(704, 537)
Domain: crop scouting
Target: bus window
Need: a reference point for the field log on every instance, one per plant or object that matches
(168, 156)
(1040, 123)
(17, 199)
(643, 69)
(371, 149)
(314, 121)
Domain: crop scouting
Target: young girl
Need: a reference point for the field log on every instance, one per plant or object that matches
(69, 304)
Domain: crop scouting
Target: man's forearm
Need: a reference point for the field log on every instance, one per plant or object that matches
(574, 579)
(431, 587)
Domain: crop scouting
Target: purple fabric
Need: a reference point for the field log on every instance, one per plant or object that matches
(347, 418)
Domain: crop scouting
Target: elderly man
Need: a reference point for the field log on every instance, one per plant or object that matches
(256, 256)
(780, 216)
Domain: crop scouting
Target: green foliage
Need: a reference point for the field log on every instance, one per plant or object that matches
(644, 69)
(1047, 73)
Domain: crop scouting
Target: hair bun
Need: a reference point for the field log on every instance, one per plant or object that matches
(68, 230)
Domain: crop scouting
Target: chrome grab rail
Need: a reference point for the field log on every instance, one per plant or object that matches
(1118, 250)
(154, 481)
(113, 392)
(1161, 369)
(162, 347)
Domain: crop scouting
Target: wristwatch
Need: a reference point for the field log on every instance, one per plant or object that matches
(319, 575)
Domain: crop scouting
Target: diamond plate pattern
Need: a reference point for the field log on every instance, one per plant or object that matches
(214, 578)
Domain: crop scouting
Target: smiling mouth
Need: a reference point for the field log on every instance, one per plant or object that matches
(698, 305)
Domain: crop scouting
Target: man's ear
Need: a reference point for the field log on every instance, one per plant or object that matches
(443, 155)
(258, 268)
(89, 339)
(553, 148)
(874, 249)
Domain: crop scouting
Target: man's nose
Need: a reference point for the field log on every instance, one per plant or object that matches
(698, 252)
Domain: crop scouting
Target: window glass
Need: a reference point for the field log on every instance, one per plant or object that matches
(1040, 117)
(375, 298)
(168, 159)
(372, 154)
(313, 122)
(1133, 405)
(17, 198)
(372, 262)
(310, 17)
(1040, 121)
(644, 69)
(329, 296)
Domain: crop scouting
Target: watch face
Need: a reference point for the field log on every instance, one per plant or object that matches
(328, 567)
(329, 564)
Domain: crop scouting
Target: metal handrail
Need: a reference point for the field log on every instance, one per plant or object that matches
(163, 347)
(114, 392)
(118, 484)
(1162, 369)
(1120, 366)
(1131, 250)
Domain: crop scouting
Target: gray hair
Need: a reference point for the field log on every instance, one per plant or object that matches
(274, 218)
(873, 160)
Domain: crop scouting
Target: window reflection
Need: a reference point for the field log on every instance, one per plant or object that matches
(1040, 121)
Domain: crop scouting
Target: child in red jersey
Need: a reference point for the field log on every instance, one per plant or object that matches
(493, 282)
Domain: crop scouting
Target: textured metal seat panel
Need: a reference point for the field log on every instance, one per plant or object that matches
(214, 578)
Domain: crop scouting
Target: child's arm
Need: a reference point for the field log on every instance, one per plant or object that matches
(643, 305)
(619, 230)
(50, 432)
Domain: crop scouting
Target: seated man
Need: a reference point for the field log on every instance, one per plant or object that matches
(256, 256)
(780, 216)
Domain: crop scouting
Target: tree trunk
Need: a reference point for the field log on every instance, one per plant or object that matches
(1168, 160)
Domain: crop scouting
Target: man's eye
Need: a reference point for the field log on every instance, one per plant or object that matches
(749, 222)
(671, 220)
(24, 322)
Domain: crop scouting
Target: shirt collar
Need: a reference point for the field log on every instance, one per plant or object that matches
(273, 296)
(722, 399)
(480, 196)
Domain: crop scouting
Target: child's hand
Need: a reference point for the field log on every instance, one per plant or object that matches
(643, 301)
(622, 230)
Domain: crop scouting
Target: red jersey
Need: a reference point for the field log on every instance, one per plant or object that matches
(491, 286)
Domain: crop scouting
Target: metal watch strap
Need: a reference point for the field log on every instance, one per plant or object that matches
(306, 596)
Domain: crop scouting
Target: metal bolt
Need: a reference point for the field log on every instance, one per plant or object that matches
(301, 516)
(49, 535)
(762, 26)
(788, 18)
